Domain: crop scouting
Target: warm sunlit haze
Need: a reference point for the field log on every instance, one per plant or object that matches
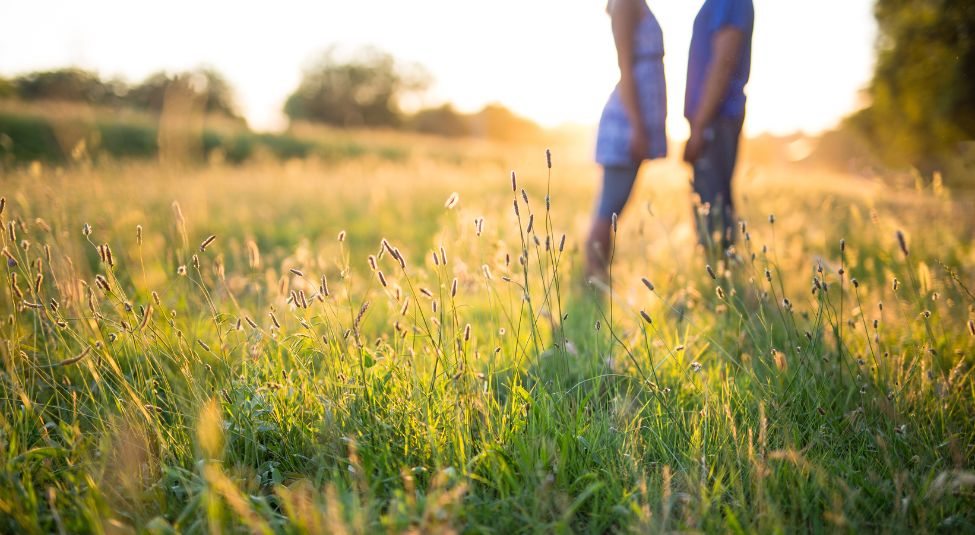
(550, 60)
(252, 283)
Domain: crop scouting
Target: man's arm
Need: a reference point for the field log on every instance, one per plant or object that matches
(727, 47)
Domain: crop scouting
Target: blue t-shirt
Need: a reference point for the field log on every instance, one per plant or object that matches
(715, 15)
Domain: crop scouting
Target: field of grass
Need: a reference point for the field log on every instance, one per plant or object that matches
(294, 374)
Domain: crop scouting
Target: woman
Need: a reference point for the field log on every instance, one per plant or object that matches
(631, 128)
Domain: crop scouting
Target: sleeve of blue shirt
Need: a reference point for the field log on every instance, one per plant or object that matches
(735, 13)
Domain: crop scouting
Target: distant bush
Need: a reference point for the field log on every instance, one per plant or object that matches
(207, 85)
(363, 88)
(442, 121)
(27, 137)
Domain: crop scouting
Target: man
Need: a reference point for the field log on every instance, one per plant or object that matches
(718, 67)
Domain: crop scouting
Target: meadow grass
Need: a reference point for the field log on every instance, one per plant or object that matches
(351, 348)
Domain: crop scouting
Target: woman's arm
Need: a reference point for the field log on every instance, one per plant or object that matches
(625, 15)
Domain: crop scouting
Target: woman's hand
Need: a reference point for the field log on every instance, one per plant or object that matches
(639, 145)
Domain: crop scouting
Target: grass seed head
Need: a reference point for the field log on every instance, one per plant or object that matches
(138, 234)
(181, 271)
(711, 272)
(341, 236)
(382, 278)
(514, 182)
(646, 317)
(647, 283)
(451, 201)
(102, 283)
(548, 158)
(296, 272)
(902, 242)
(206, 243)
(146, 314)
(453, 288)
(971, 327)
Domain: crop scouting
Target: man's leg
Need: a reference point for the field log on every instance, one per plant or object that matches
(713, 172)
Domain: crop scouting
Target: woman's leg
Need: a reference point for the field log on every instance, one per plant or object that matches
(617, 185)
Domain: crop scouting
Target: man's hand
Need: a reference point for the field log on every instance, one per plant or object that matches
(639, 145)
(695, 145)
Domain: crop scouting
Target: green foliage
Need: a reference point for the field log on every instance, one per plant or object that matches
(25, 138)
(189, 389)
(7, 89)
(363, 90)
(442, 121)
(923, 91)
(69, 84)
(206, 86)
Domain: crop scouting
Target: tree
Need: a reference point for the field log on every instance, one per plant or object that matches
(363, 90)
(206, 84)
(923, 89)
(442, 121)
(68, 84)
(494, 121)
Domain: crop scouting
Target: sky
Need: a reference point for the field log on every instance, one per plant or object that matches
(550, 60)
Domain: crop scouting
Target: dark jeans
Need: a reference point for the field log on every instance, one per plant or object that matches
(712, 182)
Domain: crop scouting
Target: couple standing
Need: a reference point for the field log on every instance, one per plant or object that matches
(632, 128)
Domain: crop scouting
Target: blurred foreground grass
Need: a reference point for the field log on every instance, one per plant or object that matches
(274, 381)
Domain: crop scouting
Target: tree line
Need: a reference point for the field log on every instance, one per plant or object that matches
(364, 88)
